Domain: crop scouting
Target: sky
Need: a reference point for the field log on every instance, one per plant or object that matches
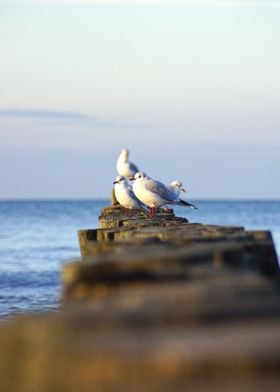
(191, 88)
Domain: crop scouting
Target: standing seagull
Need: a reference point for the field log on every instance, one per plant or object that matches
(154, 193)
(125, 196)
(124, 167)
(177, 187)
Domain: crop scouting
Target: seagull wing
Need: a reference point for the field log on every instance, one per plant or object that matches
(133, 167)
(161, 190)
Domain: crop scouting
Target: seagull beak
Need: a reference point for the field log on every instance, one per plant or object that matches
(115, 182)
(131, 179)
(183, 190)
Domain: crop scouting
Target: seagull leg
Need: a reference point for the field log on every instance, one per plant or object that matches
(152, 212)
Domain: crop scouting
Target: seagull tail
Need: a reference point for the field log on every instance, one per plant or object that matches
(186, 204)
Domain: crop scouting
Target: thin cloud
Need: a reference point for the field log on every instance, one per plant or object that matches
(68, 118)
(45, 114)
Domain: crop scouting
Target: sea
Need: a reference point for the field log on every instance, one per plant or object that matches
(38, 237)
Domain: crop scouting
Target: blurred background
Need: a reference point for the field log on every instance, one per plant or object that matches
(191, 88)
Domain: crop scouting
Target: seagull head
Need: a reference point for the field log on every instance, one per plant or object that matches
(178, 184)
(119, 179)
(139, 176)
(124, 154)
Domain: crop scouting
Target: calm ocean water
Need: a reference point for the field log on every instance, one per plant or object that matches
(36, 237)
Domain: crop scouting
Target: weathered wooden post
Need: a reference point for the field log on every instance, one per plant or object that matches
(155, 304)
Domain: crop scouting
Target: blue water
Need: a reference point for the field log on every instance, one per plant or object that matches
(37, 237)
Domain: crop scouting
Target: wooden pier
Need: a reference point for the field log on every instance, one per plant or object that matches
(155, 305)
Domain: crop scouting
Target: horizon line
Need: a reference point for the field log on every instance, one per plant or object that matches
(200, 198)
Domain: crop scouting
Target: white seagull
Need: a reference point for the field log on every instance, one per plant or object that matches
(177, 187)
(125, 196)
(124, 167)
(154, 193)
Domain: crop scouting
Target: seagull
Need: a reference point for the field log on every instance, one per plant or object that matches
(154, 193)
(177, 187)
(125, 196)
(124, 167)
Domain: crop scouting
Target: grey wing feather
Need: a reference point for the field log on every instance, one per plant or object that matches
(133, 168)
(160, 189)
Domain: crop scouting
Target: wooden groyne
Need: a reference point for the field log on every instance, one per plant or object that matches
(155, 304)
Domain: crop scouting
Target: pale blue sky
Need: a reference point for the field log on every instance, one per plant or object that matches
(191, 88)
